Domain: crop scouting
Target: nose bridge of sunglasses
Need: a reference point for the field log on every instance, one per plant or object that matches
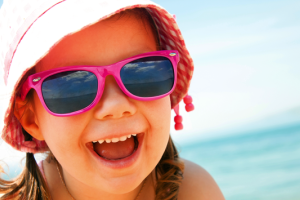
(102, 71)
(112, 70)
(107, 70)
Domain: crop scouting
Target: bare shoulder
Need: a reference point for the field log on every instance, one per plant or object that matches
(198, 184)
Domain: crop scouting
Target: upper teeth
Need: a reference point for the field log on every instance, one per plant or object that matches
(114, 140)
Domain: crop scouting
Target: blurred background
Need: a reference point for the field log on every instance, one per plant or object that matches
(245, 130)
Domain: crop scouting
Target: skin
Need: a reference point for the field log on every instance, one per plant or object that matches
(105, 43)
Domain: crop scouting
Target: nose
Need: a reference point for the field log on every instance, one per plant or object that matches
(114, 103)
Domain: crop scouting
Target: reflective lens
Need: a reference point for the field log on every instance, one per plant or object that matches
(148, 77)
(70, 91)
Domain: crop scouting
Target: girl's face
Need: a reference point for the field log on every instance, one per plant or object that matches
(115, 115)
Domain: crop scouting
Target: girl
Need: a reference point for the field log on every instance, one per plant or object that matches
(94, 83)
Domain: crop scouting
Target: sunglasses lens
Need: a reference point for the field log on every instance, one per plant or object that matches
(70, 91)
(148, 77)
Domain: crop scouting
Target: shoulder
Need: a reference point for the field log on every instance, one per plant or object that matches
(198, 184)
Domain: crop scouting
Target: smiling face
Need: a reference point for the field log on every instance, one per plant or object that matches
(115, 115)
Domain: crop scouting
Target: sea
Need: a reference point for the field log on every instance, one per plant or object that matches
(260, 165)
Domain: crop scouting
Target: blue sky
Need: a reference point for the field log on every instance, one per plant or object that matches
(246, 61)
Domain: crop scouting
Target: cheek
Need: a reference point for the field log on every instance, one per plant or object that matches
(159, 114)
(60, 133)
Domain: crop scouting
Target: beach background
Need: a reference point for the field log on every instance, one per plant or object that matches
(245, 130)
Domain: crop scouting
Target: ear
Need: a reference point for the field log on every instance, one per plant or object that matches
(24, 112)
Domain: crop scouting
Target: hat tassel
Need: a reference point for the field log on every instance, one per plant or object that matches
(189, 106)
(188, 100)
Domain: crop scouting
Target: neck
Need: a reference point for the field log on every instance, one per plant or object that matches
(79, 190)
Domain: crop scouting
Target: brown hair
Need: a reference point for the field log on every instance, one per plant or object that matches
(30, 184)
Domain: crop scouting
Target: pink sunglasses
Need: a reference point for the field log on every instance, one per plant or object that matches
(73, 90)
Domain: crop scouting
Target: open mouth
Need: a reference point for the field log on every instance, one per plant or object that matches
(116, 148)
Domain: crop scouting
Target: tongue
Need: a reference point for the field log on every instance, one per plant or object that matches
(115, 151)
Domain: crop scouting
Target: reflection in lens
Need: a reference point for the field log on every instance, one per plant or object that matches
(148, 77)
(70, 91)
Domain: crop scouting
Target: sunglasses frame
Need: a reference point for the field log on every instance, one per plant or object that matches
(35, 81)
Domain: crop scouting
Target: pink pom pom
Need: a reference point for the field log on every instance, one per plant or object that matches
(189, 107)
(178, 126)
(178, 119)
(187, 99)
